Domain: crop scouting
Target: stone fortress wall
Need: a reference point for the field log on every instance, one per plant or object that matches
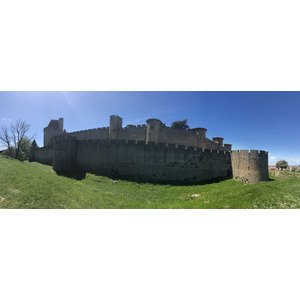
(151, 152)
(42, 155)
(154, 131)
(136, 160)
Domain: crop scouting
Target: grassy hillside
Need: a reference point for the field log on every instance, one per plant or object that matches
(33, 185)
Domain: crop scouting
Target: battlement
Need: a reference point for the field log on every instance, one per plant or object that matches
(150, 144)
(96, 133)
(150, 151)
(89, 130)
(135, 126)
(254, 152)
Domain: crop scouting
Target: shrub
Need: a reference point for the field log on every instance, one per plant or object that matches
(180, 125)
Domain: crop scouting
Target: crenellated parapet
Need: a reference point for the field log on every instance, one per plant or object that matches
(147, 144)
(96, 133)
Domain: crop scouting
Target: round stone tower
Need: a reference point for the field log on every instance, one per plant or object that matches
(218, 140)
(201, 136)
(201, 131)
(250, 167)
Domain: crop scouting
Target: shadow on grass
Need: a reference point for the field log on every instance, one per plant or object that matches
(80, 175)
(163, 182)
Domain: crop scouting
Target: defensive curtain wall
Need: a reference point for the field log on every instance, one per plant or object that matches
(151, 152)
(154, 131)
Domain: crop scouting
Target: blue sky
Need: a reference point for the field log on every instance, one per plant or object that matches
(248, 120)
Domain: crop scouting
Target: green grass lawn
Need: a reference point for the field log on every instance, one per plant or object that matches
(33, 185)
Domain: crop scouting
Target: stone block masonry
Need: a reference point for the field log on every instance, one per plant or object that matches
(42, 155)
(250, 167)
(152, 152)
(155, 162)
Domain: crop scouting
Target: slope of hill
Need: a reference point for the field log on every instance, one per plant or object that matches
(33, 185)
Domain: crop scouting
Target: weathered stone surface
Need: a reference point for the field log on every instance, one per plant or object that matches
(250, 167)
(151, 152)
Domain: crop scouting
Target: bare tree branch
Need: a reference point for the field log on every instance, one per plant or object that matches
(15, 137)
(5, 139)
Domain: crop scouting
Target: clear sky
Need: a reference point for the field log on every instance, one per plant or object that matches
(248, 120)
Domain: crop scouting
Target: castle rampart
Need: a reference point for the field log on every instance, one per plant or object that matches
(131, 132)
(42, 155)
(138, 160)
(152, 152)
(64, 155)
(91, 134)
(154, 131)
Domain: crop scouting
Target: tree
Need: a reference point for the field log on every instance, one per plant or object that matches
(282, 164)
(15, 140)
(180, 124)
(25, 149)
(5, 139)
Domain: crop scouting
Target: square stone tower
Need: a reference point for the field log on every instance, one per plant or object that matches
(115, 125)
(55, 128)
